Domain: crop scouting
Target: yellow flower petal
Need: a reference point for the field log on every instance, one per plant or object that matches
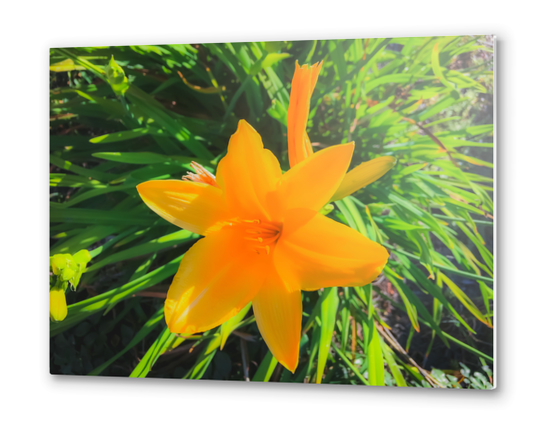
(311, 183)
(303, 83)
(278, 312)
(363, 175)
(217, 277)
(314, 252)
(247, 174)
(58, 309)
(197, 207)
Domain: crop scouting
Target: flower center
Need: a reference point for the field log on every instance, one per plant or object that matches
(260, 235)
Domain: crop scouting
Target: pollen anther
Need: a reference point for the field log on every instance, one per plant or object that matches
(261, 235)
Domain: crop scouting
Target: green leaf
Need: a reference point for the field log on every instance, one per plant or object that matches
(164, 242)
(270, 60)
(127, 135)
(140, 335)
(65, 66)
(139, 158)
(266, 368)
(410, 308)
(465, 300)
(328, 307)
(394, 79)
(433, 289)
(350, 364)
(374, 354)
(93, 216)
(160, 345)
(231, 324)
(435, 64)
(66, 180)
(205, 357)
(394, 368)
(156, 111)
(409, 170)
(69, 166)
(86, 238)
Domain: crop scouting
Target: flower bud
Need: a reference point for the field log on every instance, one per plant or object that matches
(82, 257)
(67, 274)
(116, 77)
(58, 309)
(58, 263)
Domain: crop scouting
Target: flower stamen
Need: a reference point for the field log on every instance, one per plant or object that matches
(261, 235)
(201, 175)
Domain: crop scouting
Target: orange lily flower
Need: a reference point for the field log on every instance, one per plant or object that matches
(265, 240)
(299, 145)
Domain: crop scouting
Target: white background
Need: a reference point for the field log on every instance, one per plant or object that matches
(29, 30)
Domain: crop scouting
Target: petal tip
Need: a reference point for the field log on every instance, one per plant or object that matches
(290, 364)
(387, 159)
(244, 129)
(147, 185)
(382, 261)
(142, 188)
(349, 148)
(244, 125)
(139, 187)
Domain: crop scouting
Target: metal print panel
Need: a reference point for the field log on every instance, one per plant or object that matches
(289, 211)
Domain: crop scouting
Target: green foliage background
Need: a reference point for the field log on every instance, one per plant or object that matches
(427, 321)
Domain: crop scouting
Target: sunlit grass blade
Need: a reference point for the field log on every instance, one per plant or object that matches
(173, 239)
(374, 353)
(205, 357)
(127, 135)
(231, 324)
(350, 365)
(141, 334)
(328, 307)
(394, 368)
(410, 309)
(266, 368)
(166, 340)
(464, 299)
